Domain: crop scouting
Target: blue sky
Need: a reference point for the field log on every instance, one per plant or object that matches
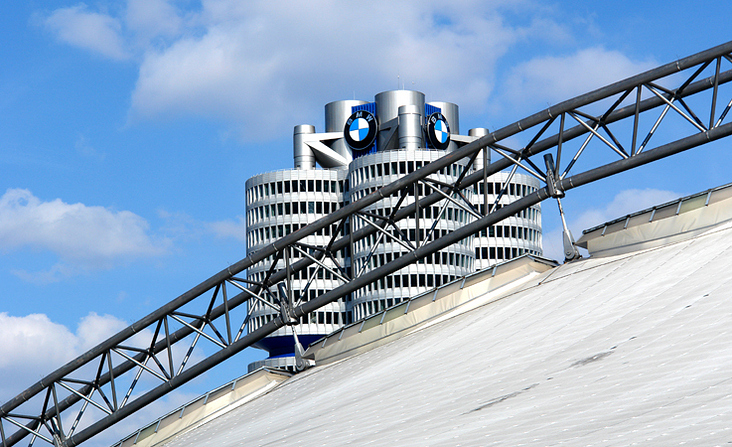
(129, 128)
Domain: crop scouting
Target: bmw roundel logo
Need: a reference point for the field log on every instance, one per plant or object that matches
(360, 130)
(438, 131)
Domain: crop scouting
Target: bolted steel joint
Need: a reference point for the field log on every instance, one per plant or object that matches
(553, 187)
(287, 313)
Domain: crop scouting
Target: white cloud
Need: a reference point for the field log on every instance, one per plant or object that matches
(50, 342)
(34, 346)
(182, 226)
(149, 19)
(94, 329)
(263, 66)
(625, 202)
(82, 236)
(93, 31)
(236, 229)
(548, 80)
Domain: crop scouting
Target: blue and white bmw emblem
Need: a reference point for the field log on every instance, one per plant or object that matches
(438, 131)
(360, 130)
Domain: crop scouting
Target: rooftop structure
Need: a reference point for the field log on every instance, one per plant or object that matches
(621, 349)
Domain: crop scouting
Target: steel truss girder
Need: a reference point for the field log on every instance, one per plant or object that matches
(50, 416)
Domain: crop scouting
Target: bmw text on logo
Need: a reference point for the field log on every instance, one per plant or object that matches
(360, 130)
(438, 131)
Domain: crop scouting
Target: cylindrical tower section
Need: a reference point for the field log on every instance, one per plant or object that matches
(515, 236)
(451, 112)
(371, 172)
(279, 203)
(336, 114)
(387, 108)
(410, 127)
(303, 155)
(483, 157)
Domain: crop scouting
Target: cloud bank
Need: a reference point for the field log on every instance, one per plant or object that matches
(83, 237)
(262, 66)
(34, 346)
(89, 30)
(554, 79)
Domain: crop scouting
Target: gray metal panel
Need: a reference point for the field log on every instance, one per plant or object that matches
(336, 115)
(483, 156)
(387, 108)
(303, 155)
(451, 112)
(410, 127)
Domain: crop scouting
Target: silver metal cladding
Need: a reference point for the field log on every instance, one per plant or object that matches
(387, 109)
(303, 155)
(483, 156)
(410, 127)
(336, 114)
(451, 112)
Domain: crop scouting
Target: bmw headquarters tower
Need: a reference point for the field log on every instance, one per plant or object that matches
(367, 145)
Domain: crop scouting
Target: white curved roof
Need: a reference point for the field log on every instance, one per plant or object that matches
(632, 348)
